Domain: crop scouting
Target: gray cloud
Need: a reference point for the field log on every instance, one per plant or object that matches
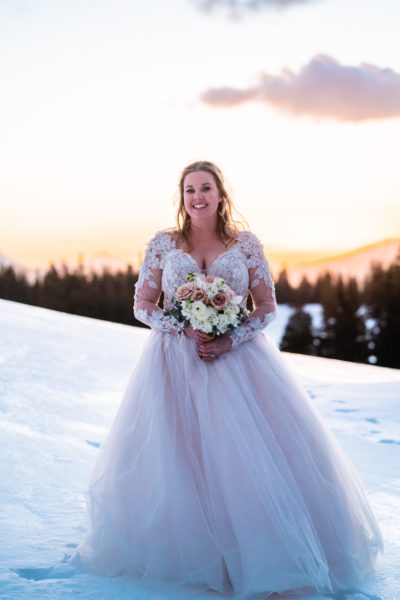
(323, 88)
(237, 7)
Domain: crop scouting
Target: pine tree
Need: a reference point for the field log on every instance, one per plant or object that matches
(53, 290)
(298, 335)
(325, 293)
(345, 336)
(384, 304)
(13, 286)
(283, 288)
(304, 292)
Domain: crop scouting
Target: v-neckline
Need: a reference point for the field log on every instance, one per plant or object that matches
(205, 271)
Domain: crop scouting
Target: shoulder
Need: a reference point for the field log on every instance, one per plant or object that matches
(159, 246)
(249, 242)
(162, 240)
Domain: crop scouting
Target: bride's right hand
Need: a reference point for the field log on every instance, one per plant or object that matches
(195, 334)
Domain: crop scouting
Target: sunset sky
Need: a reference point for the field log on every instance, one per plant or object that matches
(103, 103)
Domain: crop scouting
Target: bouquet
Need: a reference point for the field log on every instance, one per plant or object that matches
(207, 303)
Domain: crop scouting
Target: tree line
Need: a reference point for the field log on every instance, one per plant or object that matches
(361, 323)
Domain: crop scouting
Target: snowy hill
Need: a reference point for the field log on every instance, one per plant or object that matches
(61, 379)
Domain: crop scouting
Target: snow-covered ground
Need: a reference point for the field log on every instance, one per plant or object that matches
(61, 379)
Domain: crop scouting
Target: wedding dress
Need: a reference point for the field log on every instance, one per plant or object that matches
(222, 474)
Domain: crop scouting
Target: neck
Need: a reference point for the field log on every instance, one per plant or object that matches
(203, 228)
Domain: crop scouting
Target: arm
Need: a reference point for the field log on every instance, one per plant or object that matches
(262, 291)
(148, 287)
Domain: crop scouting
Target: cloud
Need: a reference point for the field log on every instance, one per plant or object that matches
(323, 88)
(239, 6)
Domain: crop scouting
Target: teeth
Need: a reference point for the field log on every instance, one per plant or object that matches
(199, 205)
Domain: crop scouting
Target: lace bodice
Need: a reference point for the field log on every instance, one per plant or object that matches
(243, 266)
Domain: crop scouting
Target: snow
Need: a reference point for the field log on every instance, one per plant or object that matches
(61, 378)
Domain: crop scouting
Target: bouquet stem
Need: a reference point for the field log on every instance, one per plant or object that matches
(209, 336)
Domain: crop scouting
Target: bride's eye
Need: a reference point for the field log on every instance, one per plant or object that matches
(204, 189)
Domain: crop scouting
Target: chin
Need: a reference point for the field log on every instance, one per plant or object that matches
(203, 215)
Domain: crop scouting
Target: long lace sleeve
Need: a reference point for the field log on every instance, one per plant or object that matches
(262, 290)
(148, 287)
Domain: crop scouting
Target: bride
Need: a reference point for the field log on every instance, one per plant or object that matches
(217, 470)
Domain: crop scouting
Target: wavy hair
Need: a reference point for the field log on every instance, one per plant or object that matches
(225, 220)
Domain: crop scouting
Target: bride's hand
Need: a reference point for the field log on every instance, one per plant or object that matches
(211, 349)
(195, 334)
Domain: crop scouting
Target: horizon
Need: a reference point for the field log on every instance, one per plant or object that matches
(278, 260)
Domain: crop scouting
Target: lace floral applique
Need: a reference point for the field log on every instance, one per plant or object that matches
(246, 331)
(148, 286)
(156, 251)
(262, 290)
(256, 260)
(158, 320)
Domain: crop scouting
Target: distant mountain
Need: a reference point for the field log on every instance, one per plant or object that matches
(30, 273)
(97, 263)
(354, 263)
(6, 262)
(102, 260)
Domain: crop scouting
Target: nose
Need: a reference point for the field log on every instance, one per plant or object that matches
(198, 195)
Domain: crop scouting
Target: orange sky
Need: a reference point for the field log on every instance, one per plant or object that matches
(103, 105)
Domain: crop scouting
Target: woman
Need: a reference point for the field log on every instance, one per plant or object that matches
(217, 470)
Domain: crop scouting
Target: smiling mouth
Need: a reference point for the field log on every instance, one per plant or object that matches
(199, 206)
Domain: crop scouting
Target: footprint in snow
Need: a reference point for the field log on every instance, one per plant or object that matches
(91, 443)
(62, 571)
(353, 595)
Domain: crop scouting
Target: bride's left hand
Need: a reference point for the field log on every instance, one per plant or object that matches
(212, 349)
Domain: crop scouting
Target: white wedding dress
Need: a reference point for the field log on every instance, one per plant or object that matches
(222, 474)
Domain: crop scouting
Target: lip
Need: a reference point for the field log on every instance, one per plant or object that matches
(199, 206)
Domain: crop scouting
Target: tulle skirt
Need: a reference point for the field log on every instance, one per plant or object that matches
(223, 475)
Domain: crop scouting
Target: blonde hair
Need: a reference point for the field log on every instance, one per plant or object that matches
(225, 221)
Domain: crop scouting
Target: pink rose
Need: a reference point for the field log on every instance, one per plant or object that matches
(220, 300)
(184, 291)
(198, 294)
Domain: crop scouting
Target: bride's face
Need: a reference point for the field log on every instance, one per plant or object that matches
(200, 195)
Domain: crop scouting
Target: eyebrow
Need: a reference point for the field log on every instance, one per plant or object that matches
(205, 183)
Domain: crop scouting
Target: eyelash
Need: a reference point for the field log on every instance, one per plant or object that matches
(205, 189)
